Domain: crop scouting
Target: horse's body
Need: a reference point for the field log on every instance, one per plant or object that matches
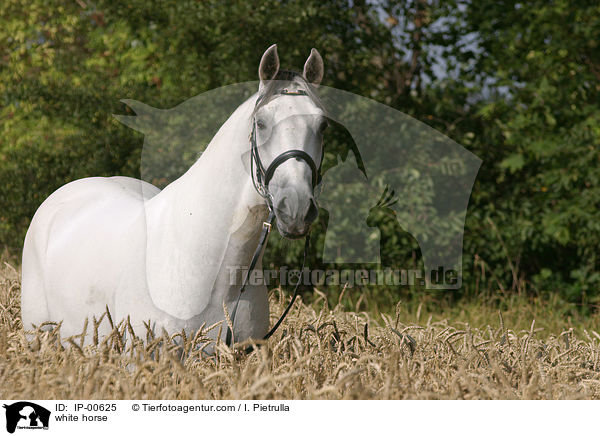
(160, 256)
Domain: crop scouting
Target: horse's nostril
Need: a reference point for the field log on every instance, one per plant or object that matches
(283, 208)
(313, 212)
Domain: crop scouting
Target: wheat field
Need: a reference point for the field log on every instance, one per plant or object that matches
(322, 351)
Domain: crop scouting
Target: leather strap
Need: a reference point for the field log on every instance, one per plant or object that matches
(290, 154)
(264, 235)
(296, 289)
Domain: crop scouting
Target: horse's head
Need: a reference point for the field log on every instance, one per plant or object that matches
(288, 124)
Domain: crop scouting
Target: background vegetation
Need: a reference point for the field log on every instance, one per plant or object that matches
(517, 83)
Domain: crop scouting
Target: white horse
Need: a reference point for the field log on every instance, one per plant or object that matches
(166, 256)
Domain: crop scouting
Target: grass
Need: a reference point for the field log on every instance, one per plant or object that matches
(423, 349)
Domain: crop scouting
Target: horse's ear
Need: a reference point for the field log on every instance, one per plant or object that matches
(313, 68)
(269, 64)
(146, 115)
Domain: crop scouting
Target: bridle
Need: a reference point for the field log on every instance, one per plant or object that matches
(260, 179)
(261, 176)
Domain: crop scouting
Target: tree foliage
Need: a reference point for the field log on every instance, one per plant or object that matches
(517, 83)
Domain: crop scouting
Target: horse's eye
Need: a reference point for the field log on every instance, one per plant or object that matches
(323, 126)
(260, 124)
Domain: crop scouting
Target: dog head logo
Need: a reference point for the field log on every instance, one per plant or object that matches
(26, 415)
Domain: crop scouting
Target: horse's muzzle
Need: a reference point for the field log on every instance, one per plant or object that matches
(295, 214)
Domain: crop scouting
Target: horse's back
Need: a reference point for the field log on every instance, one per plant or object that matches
(80, 231)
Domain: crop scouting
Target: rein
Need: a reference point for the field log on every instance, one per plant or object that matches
(260, 179)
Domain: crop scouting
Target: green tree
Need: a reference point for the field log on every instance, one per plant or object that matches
(541, 142)
(517, 83)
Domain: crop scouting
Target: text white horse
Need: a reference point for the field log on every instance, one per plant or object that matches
(166, 256)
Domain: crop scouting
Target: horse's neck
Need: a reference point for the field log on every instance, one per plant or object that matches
(207, 221)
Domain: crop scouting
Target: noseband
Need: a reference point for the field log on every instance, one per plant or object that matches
(261, 178)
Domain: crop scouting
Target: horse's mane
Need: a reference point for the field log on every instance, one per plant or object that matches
(283, 79)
